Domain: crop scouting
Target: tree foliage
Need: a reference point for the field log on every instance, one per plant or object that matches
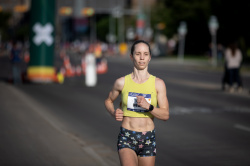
(232, 17)
(194, 13)
(4, 27)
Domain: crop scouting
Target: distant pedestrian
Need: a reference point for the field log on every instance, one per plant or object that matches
(16, 60)
(220, 53)
(140, 92)
(225, 78)
(233, 57)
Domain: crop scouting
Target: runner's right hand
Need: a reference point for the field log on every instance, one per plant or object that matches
(118, 114)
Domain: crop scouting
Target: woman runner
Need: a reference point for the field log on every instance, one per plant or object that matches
(140, 92)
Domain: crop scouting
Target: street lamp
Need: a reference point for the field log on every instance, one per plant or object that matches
(90, 12)
(182, 31)
(111, 38)
(118, 12)
(213, 27)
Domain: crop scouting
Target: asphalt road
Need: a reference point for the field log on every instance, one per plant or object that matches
(206, 127)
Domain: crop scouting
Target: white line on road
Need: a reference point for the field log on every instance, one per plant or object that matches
(241, 127)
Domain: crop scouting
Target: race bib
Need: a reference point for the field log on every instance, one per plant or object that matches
(132, 102)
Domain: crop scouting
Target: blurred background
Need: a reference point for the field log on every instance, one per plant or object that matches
(126, 20)
(59, 60)
(200, 30)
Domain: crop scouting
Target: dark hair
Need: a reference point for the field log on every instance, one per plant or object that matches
(233, 47)
(137, 42)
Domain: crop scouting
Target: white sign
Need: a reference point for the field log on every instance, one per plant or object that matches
(43, 34)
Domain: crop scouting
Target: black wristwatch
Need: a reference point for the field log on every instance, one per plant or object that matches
(151, 107)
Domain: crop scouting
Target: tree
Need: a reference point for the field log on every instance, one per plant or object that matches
(195, 13)
(231, 15)
(233, 18)
(4, 27)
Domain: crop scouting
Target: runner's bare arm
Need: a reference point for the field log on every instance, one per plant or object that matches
(162, 112)
(113, 94)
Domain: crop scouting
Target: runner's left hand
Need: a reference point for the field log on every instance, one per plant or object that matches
(142, 102)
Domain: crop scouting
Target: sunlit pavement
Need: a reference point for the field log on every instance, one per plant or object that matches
(67, 124)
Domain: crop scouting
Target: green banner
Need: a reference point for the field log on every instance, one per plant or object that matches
(42, 40)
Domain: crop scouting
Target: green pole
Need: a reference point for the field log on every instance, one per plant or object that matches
(42, 41)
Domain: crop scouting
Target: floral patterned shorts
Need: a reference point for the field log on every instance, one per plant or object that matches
(143, 143)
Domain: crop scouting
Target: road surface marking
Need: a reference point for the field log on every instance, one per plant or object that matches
(241, 127)
(194, 83)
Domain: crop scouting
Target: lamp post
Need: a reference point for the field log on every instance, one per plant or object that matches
(111, 38)
(119, 14)
(213, 27)
(182, 31)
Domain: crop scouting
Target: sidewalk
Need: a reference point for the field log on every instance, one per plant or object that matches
(29, 138)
